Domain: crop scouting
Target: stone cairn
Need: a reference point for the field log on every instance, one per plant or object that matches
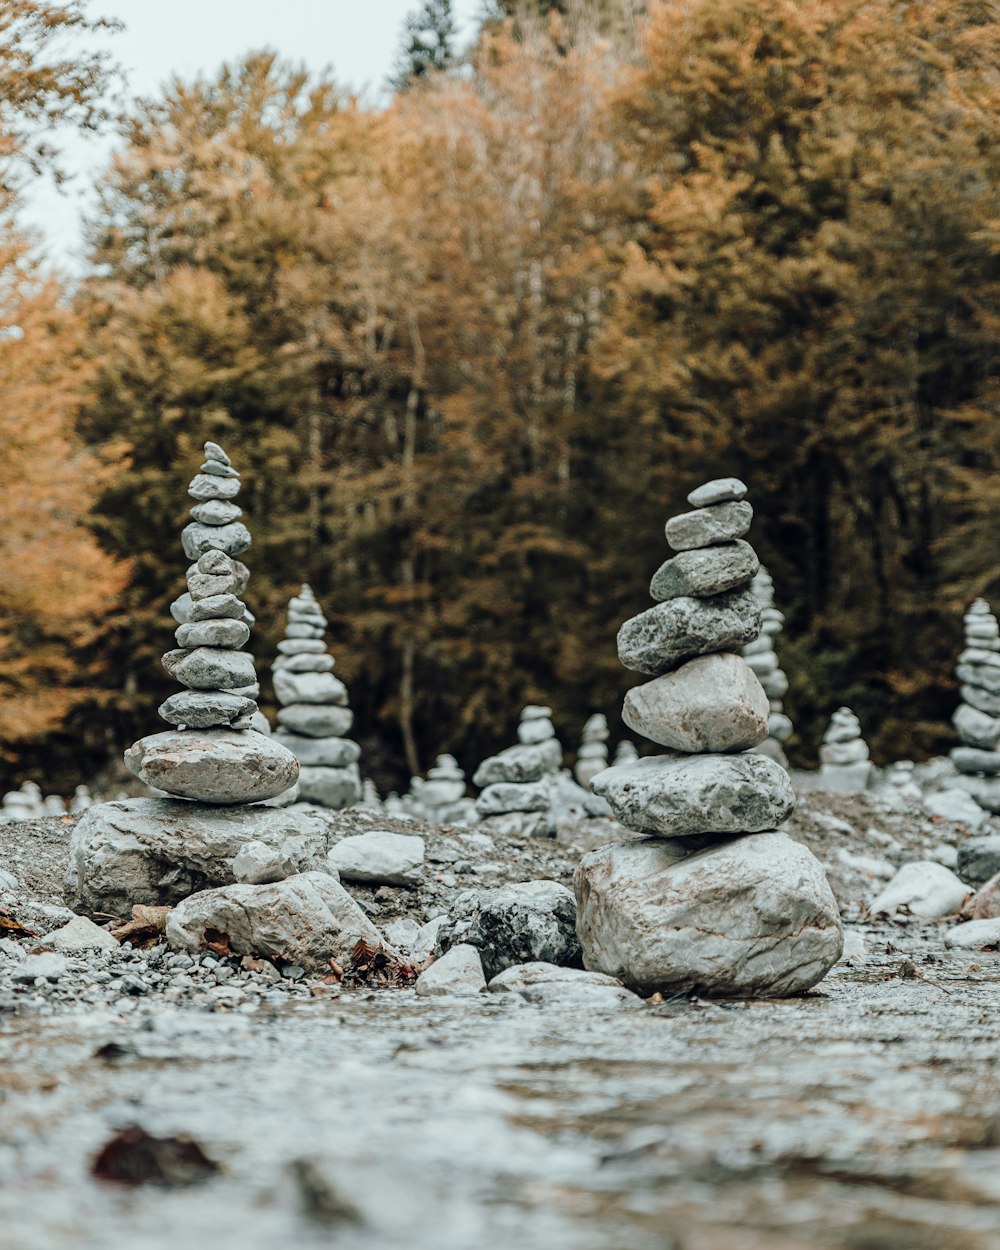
(844, 756)
(626, 752)
(763, 659)
(212, 755)
(314, 716)
(977, 718)
(713, 899)
(517, 783)
(592, 757)
(442, 796)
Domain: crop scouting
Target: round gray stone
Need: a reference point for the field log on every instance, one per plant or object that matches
(213, 765)
(209, 486)
(202, 709)
(316, 720)
(211, 668)
(719, 524)
(213, 633)
(232, 539)
(705, 571)
(666, 635)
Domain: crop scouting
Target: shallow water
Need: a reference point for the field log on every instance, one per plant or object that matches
(864, 1116)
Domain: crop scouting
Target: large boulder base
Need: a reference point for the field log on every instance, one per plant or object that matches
(750, 917)
(308, 919)
(682, 796)
(214, 765)
(158, 851)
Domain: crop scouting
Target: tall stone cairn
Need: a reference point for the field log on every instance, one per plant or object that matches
(212, 755)
(977, 717)
(845, 765)
(592, 756)
(712, 899)
(517, 782)
(762, 657)
(314, 716)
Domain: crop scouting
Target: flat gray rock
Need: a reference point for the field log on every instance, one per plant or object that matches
(573, 988)
(215, 608)
(524, 762)
(210, 486)
(704, 527)
(316, 720)
(664, 636)
(309, 688)
(304, 663)
(514, 924)
(719, 490)
(680, 797)
(213, 765)
(379, 857)
(979, 859)
(335, 788)
(985, 790)
(457, 974)
(751, 917)
(982, 676)
(323, 752)
(211, 668)
(202, 709)
(924, 888)
(158, 851)
(301, 646)
(308, 919)
(216, 512)
(711, 703)
(211, 586)
(182, 608)
(232, 539)
(976, 935)
(513, 796)
(973, 760)
(81, 934)
(980, 699)
(213, 633)
(976, 729)
(706, 571)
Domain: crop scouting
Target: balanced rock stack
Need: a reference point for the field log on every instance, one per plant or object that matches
(314, 716)
(592, 757)
(978, 716)
(442, 795)
(517, 783)
(211, 755)
(844, 755)
(715, 900)
(763, 659)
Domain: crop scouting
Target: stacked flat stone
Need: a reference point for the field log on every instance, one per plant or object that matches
(442, 795)
(844, 756)
(23, 804)
(626, 752)
(592, 756)
(977, 718)
(314, 716)
(762, 657)
(517, 783)
(211, 755)
(713, 899)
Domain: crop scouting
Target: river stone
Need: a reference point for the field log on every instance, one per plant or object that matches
(216, 608)
(211, 668)
(256, 863)
(985, 790)
(216, 512)
(211, 586)
(215, 453)
(762, 662)
(209, 486)
(572, 989)
(956, 805)
(514, 924)
(513, 796)
(213, 633)
(197, 538)
(712, 703)
(81, 934)
(977, 935)
(775, 684)
(979, 858)
(331, 787)
(213, 765)
(301, 646)
(750, 917)
(982, 676)
(707, 571)
(705, 527)
(379, 857)
(976, 728)
(325, 752)
(299, 630)
(202, 709)
(924, 888)
(304, 663)
(843, 753)
(308, 919)
(663, 637)
(981, 700)
(315, 720)
(530, 732)
(520, 763)
(158, 851)
(719, 490)
(309, 688)
(214, 469)
(458, 973)
(683, 796)
(972, 760)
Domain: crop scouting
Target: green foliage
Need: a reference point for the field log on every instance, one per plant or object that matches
(427, 45)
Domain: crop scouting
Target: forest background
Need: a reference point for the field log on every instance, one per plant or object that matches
(471, 348)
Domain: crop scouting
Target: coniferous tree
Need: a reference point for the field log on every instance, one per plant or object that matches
(427, 45)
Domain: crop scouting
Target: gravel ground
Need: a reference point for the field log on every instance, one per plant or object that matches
(864, 1115)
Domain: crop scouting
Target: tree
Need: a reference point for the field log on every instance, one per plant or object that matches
(427, 45)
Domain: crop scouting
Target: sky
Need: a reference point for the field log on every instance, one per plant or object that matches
(357, 38)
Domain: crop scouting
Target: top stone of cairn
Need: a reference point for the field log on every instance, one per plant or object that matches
(720, 490)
